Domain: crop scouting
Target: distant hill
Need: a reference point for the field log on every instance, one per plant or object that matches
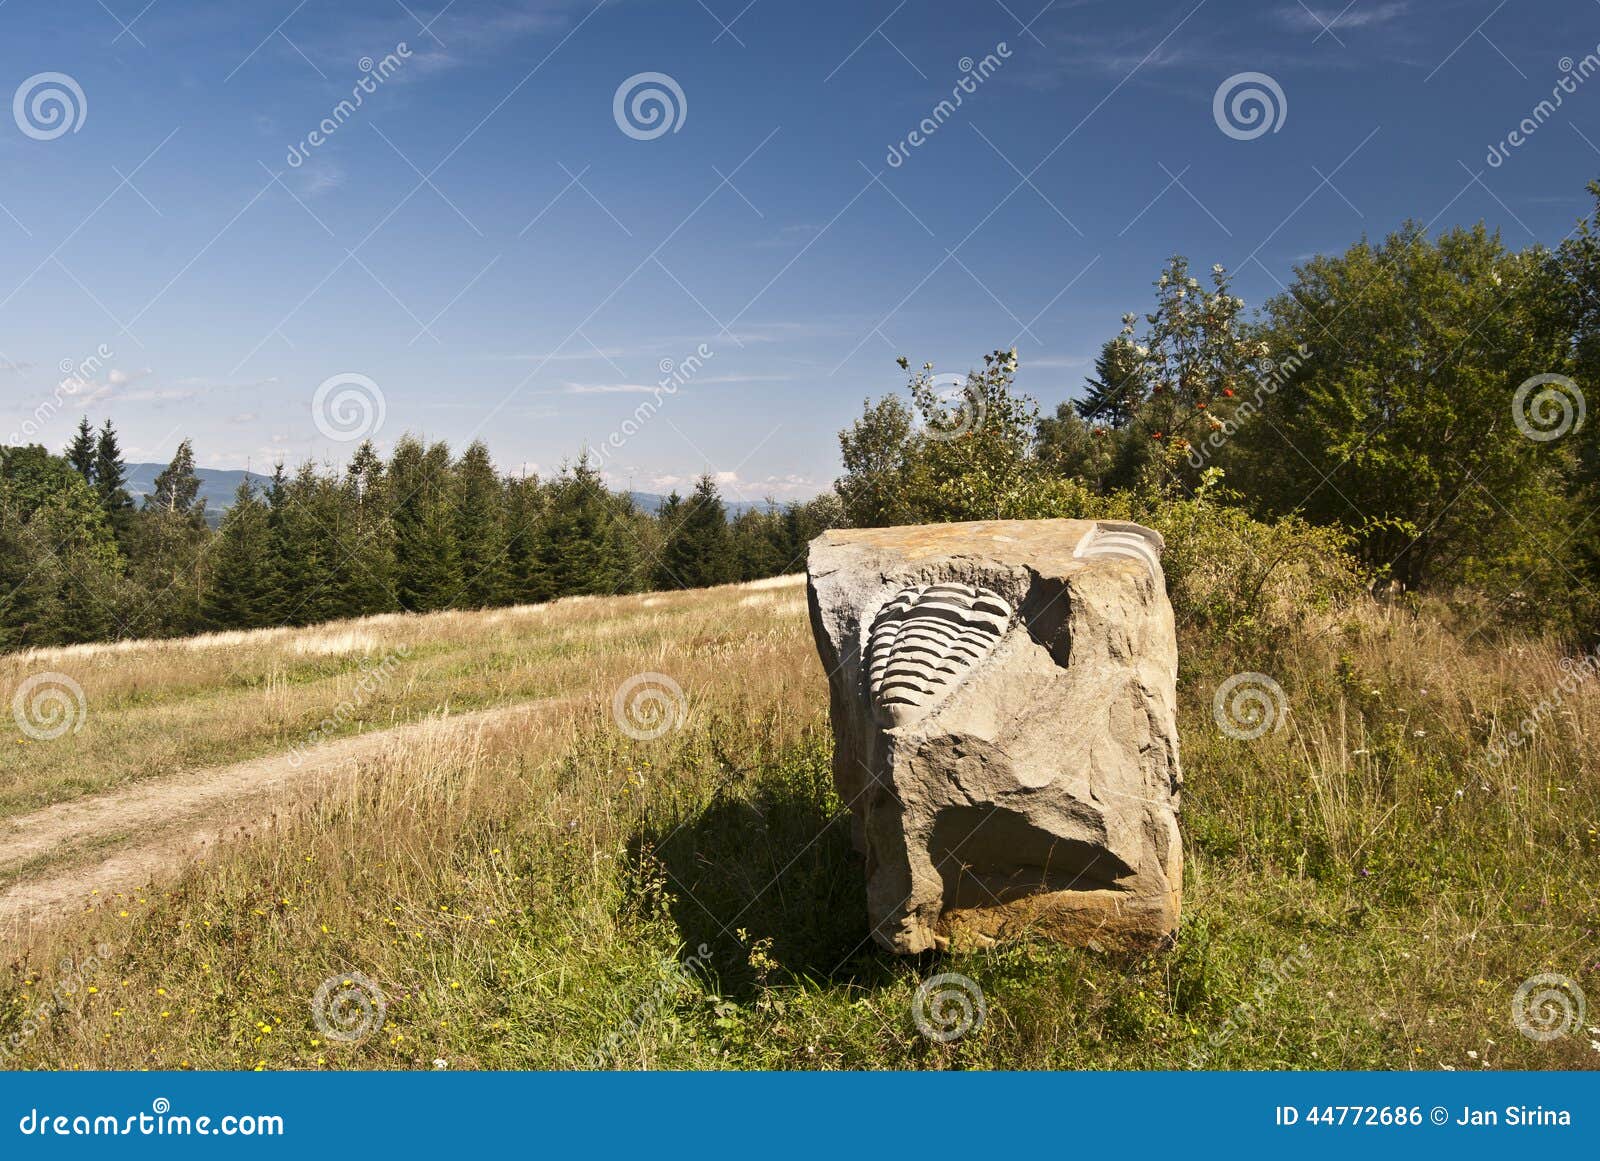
(218, 485)
(652, 501)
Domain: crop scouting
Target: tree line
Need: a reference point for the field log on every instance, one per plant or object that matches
(419, 531)
(1423, 397)
(1417, 399)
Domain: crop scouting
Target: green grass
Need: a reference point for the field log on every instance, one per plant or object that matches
(518, 907)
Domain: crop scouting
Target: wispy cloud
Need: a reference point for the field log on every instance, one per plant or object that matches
(745, 378)
(225, 385)
(779, 332)
(566, 356)
(114, 385)
(1303, 17)
(442, 37)
(1111, 54)
(319, 175)
(609, 388)
(136, 386)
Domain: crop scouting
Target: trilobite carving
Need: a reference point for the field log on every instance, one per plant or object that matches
(925, 641)
(1126, 540)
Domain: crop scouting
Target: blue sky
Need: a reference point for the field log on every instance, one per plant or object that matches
(484, 243)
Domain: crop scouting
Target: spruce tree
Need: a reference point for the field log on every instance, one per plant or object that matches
(80, 452)
(524, 512)
(367, 536)
(240, 594)
(110, 474)
(699, 549)
(303, 549)
(1119, 385)
(586, 546)
(111, 483)
(480, 530)
(427, 554)
(432, 577)
(670, 518)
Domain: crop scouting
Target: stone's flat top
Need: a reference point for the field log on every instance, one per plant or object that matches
(1010, 539)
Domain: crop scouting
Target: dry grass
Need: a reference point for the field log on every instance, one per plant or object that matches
(154, 707)
(521, 894)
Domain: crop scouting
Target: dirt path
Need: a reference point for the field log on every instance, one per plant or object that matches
(125, 839)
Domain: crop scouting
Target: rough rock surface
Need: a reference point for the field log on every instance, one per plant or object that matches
(1003, 705)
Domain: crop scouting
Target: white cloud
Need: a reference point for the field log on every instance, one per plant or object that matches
(1310, 19)
(116, 379)
(729, 483)
(315, 176)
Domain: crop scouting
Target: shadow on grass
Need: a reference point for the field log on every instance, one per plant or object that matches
(764, 875)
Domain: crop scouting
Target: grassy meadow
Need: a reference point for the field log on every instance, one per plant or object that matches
(1364, 887)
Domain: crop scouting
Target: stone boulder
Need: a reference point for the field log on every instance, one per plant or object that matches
(1003, 705)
